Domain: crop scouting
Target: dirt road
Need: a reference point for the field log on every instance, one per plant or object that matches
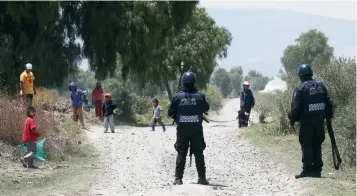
(135, 161)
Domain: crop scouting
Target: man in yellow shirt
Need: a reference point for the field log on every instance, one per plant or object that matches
(27, 88)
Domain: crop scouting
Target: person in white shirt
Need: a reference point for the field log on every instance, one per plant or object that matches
(156, 115)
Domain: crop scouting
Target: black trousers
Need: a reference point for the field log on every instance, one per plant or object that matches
(311, 137)
(190, 138)
(247, 109)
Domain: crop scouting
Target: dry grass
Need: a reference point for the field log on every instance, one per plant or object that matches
(61, 133)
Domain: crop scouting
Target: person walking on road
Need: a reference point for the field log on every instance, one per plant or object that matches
(247, 100)
(27, 88)
(97, 99)
(310, 105)
(156, 118)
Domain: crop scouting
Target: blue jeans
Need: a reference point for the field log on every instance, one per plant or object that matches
(157, 120)
(109, 120)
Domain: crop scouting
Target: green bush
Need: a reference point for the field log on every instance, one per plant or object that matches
(340, 79)
(264, 105)
(137, 109)
(276, 106)
(214, 97)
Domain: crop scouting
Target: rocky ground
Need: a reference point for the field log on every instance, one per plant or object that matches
(136, 161)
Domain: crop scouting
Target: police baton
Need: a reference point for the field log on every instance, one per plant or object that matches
(335, 153)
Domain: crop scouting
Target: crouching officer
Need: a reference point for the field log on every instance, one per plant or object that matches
(187, 108)
(310, 105)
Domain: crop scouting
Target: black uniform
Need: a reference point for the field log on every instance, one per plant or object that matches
(310, 105)
(187, 108)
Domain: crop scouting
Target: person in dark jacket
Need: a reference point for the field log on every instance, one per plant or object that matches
(247, 100)
(108, 111)
(310, 105)
(241, 118)
(187, 108)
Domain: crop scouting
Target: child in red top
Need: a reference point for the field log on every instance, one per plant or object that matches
(29, 138)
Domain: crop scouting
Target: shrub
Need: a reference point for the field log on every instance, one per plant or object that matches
(214, 97)
(44, 95)
(13, 115)
(340, 79)
(264, 105)
(276, 106)
(137, 109)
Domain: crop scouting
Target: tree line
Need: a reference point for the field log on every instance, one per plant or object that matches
(230, 83)
(145, 40)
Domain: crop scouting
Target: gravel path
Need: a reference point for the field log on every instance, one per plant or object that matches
(135, 161)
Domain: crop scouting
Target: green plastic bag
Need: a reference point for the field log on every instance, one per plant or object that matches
(40, 154)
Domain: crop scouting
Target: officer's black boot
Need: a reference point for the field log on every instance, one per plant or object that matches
(180, 167)
(304, 174)
(201, 169)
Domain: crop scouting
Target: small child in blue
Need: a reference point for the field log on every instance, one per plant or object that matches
(241, 118)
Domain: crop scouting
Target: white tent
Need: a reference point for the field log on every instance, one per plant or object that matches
(275, 84)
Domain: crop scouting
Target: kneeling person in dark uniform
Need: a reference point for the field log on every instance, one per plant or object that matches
(310, 105)
(187, 108)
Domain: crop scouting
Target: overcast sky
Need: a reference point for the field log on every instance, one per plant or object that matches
(263, 52)
(334, 9)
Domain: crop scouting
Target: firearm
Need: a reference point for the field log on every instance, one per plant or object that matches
(335, 153)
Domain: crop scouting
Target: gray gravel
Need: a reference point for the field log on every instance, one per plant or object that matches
(135, 161)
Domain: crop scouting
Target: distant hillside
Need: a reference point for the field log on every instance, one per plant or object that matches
(261, 35)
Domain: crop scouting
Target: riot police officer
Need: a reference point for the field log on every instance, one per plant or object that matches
(311, 104)
(187, 108)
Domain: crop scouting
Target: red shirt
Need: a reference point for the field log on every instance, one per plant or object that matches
(97, 94)
(29, 135)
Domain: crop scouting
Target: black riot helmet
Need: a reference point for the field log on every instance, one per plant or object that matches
(188, 80)
(305, 72)
(305, 69)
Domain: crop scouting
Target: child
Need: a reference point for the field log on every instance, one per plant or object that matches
(157, 115)
(77, 98)
(86, 106)
(108, 111)
(241, 118)
(29, 138)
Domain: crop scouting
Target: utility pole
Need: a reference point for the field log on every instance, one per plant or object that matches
(252, 83)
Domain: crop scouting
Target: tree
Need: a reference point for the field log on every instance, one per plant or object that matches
(45, 33)
(36, 32)
(257, 80)
(310, 48)
(222, 80)
(236, 75)
(198, 45)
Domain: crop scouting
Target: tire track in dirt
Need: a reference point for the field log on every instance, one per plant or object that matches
(136, 161)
